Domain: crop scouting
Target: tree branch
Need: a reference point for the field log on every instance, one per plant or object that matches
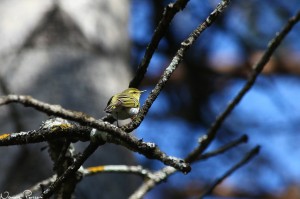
(169, 13)
(49, 109)
(274, 43)
(139, 170)
(185, 45)
(91, 148)
(163, 174)
(57, 128)
(257, 68)
(166, 171)
(226, 147)
(245, 160)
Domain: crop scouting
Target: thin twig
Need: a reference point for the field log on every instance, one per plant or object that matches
(159, 176)
(257, 68)
(245, 160)
(49, 109)
(226, 147)
(169, 13)
(185, 45)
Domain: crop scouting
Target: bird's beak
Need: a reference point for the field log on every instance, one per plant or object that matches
(143, 91)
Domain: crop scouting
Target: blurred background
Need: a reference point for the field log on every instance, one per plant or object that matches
(75, 54)
(79, 53)
(212, 73)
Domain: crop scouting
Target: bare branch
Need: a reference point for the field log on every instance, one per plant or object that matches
(165, 172)
(91, 148)
(81, 158)
(53, 131)
(226, 147)
(185, 45)
(149, 184)
(73, 132)
(62, 153)
(49, 109)
(169, 12)
(245, 160)
(257, 68)
(139, 170)
(119, 136)
(90, 171)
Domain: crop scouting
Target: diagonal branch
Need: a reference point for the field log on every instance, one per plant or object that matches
(245, 160)
(257, 68)
(224, 148)
(91, 148)
(168, 15)
(160, 176)
(185, 45)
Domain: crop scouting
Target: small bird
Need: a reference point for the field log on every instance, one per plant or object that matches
(124, 105)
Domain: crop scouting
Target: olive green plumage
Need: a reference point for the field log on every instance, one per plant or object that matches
(124, 105)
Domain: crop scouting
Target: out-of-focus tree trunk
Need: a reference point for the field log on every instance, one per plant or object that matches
(72, 53)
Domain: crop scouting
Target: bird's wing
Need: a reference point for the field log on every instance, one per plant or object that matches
(111, 106)
(128, 101)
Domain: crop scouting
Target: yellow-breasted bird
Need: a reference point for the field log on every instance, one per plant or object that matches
(124, 105)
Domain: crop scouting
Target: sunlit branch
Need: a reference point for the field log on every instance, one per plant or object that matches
(148, 184)
(96, 170)
(138, 170)
(169, 13)
(245, 160)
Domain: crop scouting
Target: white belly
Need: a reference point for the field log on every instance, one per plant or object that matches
(125, 114)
